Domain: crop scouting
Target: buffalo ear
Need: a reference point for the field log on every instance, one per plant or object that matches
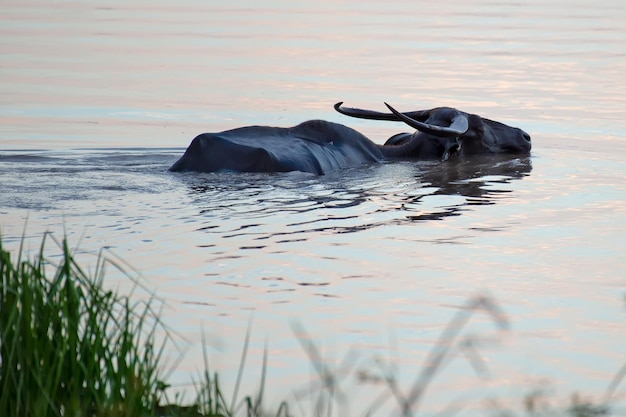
(398, 139)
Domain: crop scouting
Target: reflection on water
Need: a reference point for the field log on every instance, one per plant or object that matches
(390, 194)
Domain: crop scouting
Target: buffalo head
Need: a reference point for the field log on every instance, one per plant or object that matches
(445, 131)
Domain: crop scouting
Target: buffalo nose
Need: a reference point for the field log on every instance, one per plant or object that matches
(526, 136)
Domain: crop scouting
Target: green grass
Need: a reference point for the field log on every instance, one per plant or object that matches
(70, 348)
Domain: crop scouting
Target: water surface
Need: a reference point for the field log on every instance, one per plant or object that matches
(98, 99)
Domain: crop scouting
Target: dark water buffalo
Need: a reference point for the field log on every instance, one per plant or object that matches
(319, 146)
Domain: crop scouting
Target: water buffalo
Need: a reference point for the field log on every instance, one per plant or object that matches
(318, 146)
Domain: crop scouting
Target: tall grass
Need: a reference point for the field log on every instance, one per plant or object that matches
(70, 348)
(210, 400)
(451, 345)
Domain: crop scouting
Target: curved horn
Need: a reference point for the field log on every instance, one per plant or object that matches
(374, 115)
(458, 126)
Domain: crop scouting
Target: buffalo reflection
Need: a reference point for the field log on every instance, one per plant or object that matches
(479, 179)
(340, 203)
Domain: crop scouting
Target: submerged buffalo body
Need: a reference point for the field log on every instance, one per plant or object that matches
(315, 146)
(318, 146)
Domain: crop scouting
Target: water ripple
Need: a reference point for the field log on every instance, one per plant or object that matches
(351, 201)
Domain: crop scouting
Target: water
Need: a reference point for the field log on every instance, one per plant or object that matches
(98, 99)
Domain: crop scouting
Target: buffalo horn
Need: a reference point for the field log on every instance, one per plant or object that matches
(458, 126)
(374, 115)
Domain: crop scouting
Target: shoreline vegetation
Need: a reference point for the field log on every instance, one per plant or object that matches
(69, 347)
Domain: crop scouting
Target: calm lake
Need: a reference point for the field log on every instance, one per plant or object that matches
(99, 98)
